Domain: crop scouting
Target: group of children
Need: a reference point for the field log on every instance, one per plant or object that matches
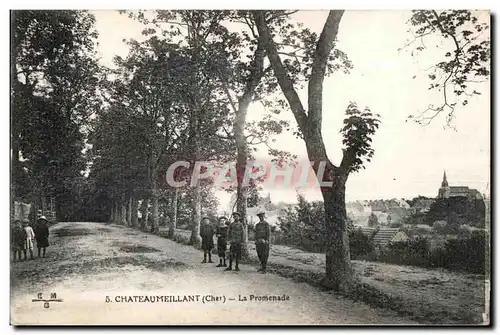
(23, 237)
(234, 235)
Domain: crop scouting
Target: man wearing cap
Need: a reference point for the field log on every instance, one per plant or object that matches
(42, 235)
(262, 240)
(235, 235)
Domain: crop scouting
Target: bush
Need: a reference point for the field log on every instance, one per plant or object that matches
(303, 226)
(359, 244)
(467, 254)
(414, 252)
(463, 254)
(181, 238)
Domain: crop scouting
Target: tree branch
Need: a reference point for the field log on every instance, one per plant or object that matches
(280, 72)
(318, 69)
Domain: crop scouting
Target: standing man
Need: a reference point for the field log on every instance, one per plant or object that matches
(262, 240)
(235, 235)
(207, 239)
(222, 230)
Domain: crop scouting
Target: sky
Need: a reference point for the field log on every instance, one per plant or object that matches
(409, 158)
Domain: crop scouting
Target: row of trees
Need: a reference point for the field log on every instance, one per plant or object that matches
(55, 82)
(184, 94)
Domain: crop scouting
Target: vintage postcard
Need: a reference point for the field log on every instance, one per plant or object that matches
(250, 167)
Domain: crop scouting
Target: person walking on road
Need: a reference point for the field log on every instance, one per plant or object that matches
(42, 235)
(262, 240)
(28, 242)
(221, 232)
(207, 239)
(235, 236)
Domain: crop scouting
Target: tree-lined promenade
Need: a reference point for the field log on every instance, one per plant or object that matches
(103, 274)
(96, 258)
(98, 139)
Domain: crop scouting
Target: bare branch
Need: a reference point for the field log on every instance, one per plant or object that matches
(275, 16)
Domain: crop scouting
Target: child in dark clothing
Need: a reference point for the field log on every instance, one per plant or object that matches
(207, 239)
(18, 238)
(42, 235)
(222, 241)
(236, 237)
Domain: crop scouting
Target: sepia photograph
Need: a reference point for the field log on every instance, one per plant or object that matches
(250, 167)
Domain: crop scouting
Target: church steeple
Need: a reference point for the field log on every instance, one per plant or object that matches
(444, 183)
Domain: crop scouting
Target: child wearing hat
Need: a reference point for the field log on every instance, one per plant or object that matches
(235, 236)
(221, 233)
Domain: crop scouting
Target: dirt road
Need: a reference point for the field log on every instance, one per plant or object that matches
(145, 278)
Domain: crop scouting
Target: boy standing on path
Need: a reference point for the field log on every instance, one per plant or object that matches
(262, 240)
(28, 242)
(207, 239)
(18, 238)
(222, 241)
(235, 235)
(42, 235)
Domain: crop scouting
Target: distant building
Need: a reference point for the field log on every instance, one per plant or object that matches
(446, 191)
(381, 217)
(402, 203)
(397, 214)
(383, 236)
(423, 205)
(355, 207)
(379, 206)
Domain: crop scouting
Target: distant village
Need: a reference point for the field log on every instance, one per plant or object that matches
(388, 212)
(393, 211)
(393, 220)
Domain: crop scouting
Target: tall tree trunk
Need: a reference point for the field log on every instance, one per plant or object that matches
(133, 208)
(14, 128)
(123, 212)
(15, 172)
(241, 205)
(156, 219)
(196, 207)
(129, 211)
(241, 164)
(173, 217)
(144, 213)
(12, 202)
(338, 261)
(116, 216)
(338, 268)
(43, 201)
(241, 110)
(112, 215)
(35, 203)
(117, 212)
(196, 195)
